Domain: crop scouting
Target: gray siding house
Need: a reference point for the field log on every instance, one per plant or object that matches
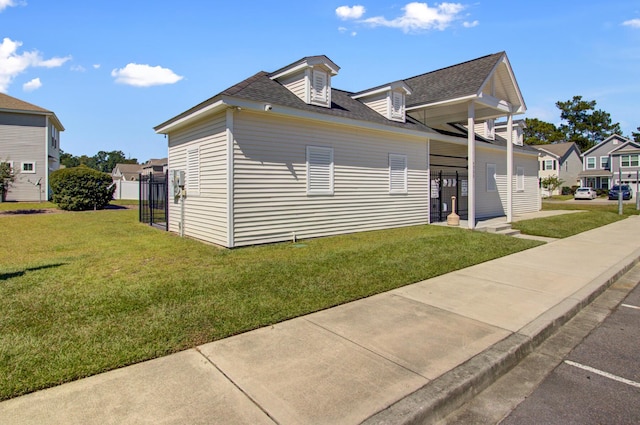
(562, 160)
(30, 143)
(285, 155)
(610, 162)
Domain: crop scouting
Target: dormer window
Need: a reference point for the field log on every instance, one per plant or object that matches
(309, 79)
(389, 101)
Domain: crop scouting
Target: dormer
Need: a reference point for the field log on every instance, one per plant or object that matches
(309, 79)
(389, 100)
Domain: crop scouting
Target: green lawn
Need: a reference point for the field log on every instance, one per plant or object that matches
(562, 226)
(82, 293)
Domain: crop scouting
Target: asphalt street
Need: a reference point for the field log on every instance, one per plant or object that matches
(598, 383)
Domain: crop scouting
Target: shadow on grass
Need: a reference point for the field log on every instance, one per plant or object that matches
(5, 276)
(15, 212)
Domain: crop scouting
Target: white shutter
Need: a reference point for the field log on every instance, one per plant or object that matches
(319, 89)
(491, 178)
(319, 170)
(520, 179)
(397, 106)
(397, 173)
(193, 171)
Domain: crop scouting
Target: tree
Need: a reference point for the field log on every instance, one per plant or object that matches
(636, 135)
(585, 125)
(537, 132)
(68, 160)
(551, 183)
(102, 161)
(6, 178)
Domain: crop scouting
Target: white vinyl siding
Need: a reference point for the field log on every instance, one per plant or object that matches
(519, 179)
(397, 173)
(205, 215)
(493, 204)
(319, 170)
(270, 194)
(491, 178)
(296, 84)
(320, 88)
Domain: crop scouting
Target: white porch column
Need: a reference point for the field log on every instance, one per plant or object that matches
(509, 168)
(471, 153)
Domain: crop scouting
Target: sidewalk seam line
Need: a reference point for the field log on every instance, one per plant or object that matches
(255, 402)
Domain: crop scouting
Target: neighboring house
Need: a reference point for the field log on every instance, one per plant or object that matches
(562, 160)
(284, 155)
(30, 143)
(155, 166)
(603, 162)
(126, 172)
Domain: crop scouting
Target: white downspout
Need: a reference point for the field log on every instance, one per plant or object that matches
(510, 168)
(471, 162)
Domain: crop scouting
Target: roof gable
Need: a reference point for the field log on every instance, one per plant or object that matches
(559, 150)
(609, 140)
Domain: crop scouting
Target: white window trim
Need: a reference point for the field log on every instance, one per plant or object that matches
(519, 179)
(397, 175)
(193, 171)
(587, 163)
(550, 161)
(602, 165)
(631, 157)
(23, 171)
(324, 171)
(492, 182)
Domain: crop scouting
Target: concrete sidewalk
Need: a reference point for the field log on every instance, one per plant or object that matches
(404, 356)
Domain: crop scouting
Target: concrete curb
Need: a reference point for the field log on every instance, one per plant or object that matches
(451, 390)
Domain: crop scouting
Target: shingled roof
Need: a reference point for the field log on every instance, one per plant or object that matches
(12, 104)
(452, 82)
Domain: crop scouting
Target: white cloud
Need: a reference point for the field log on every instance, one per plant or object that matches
(145, 75)
(353, 12)
(7, 3)
(78, 68)
(419, 16)
(12, 63)
(96, 66)
(471, 24)
(32, 85)
(633, 23)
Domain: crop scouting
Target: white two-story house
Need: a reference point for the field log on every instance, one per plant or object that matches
(562, 160)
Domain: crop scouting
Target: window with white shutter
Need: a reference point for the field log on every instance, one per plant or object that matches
(193, 171)
(397, 106)
(319, 88)
(397, 173)
(491, 178)
(319, 170)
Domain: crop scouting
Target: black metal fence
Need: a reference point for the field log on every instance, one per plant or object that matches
(154, 197)
(443, 187)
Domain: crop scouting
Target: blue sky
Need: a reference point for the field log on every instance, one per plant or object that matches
(112, 70)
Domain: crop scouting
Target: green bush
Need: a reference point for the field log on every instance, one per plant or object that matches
(81, 188)
(566, 190)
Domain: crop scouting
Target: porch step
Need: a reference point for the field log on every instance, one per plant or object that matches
(501, 229)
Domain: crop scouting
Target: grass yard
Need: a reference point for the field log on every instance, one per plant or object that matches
(82, 293)
(562, 226)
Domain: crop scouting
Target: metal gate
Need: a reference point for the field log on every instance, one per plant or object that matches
(154, 197)
(443, 187)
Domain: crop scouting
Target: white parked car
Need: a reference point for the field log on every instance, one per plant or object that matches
(585, 193)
